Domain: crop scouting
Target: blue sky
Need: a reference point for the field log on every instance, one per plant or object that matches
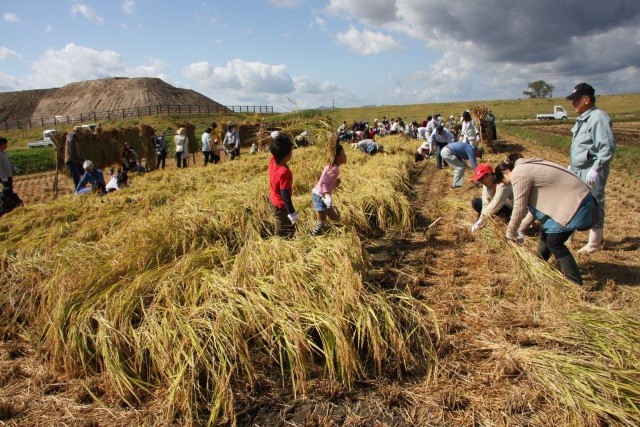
(310, 53)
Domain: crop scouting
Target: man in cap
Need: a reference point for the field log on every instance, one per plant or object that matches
(592, 148)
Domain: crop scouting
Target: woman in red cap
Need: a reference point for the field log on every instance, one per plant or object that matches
(497, 198)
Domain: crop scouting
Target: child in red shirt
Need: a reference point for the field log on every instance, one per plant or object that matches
(281, 183)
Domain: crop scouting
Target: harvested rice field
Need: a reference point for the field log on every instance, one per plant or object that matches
(169, 303)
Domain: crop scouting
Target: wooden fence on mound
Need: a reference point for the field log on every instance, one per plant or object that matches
(97, 116)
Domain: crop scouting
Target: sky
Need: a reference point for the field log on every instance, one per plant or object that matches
(299, 54)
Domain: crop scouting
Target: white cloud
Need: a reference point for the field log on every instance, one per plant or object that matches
(321, 23)
(6, 53)
(367, 42)
(12, 17)
(241, 76)
(288, 4)
(153, 67)
(9, 83)
(87, 12)
(128, 6)
(48, 29)
(75, 63)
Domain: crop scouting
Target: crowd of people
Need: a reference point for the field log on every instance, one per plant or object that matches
(464, 128)
(519, 190)
(562, 199)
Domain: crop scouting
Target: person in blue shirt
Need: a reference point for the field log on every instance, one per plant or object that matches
(592, 148)
(93, 176)
(455, 155)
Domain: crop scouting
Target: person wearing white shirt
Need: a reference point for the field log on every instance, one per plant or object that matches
(439, 138)
(469, 131)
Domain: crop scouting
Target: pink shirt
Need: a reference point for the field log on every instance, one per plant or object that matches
(328, 180)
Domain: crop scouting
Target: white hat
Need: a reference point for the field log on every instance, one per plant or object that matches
(275, 134)
(88, 164)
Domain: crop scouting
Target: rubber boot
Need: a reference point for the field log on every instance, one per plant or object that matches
(543, 251)
(595, 241)
(570, 269)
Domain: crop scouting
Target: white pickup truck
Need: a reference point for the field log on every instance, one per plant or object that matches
(558, 114)
(45, 141)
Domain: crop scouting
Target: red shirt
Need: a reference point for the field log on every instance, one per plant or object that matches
(280, 178)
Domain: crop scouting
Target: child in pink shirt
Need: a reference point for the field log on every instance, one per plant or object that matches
(321, 193)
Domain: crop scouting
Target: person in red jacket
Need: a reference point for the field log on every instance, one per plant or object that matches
(281, 185)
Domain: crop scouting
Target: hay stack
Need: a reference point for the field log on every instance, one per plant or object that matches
(104, 147)
(486, 131)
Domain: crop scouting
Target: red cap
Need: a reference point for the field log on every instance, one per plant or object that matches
(481, 170)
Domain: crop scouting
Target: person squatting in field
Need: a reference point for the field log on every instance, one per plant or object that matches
(322, 192)
(130, 159)
(118, 181)
(592, 148)
(368, 146)
(497, 198)
(558, 199)
(93, 176)
(281, 185)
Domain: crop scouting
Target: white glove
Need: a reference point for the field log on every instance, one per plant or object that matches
(327, 201)
(511, 236)
(592, 177)
(293, 217)
(475, 227)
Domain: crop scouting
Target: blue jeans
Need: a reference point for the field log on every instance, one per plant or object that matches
(318, 203)
(580, 221)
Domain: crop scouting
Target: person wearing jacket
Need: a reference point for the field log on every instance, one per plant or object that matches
(592, 148)
(6, 170)
(72, 158)
(231, 141)
(182, 148)
(93, 176)
(558, 199)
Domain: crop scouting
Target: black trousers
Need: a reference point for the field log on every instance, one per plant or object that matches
(504, 212)
(161, 159)
(555, 244)
(180, 162)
